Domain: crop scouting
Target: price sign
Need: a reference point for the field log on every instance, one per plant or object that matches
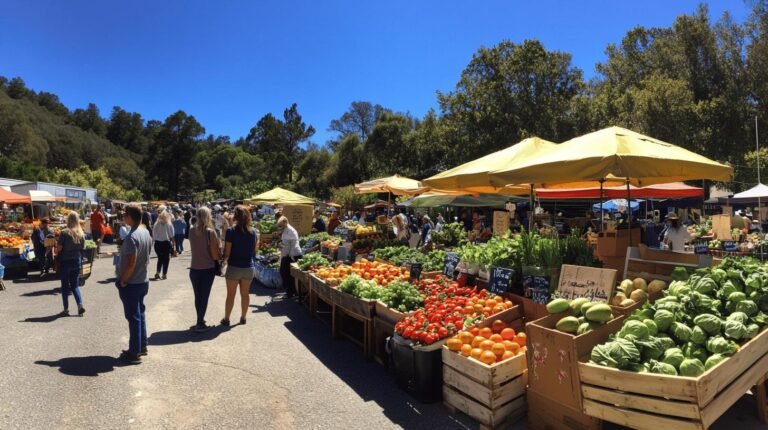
(416, 269)
(701, 249)
(500, 280)
(451, 261)
(560, 227)
(731, 246)
(590, 282)
(537, 289)
(500, 222)
(342, 253)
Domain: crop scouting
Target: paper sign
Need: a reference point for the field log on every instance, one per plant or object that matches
(324, 250)
(300, 217)
(730, 246)
(590, 282)
(500, 222)
(451, 261)
(500, 280)
(416, 269)
(721, 226)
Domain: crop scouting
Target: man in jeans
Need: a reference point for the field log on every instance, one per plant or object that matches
(133, 283)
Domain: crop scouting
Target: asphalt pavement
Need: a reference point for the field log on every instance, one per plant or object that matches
(282, 370)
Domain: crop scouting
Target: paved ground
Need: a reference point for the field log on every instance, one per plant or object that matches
(282, 370)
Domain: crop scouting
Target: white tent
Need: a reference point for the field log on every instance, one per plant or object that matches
(760, 191)
(41, 196)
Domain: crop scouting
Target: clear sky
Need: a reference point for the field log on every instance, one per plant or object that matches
(229, 62)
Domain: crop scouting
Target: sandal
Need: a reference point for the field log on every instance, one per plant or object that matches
(225, 322)
(242, 321)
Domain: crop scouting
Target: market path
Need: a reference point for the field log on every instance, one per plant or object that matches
(282, 370)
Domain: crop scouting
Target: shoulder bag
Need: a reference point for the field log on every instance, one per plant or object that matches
(216, 262)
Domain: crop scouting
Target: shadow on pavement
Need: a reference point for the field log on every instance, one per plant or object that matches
(46, 319)
(38, 293)
(84, 366)
(368, 379)
(175, 337)
(34, 279)
(107, 281)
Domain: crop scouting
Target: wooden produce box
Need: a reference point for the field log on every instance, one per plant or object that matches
(532, 311)
(387, 314)
(493, 395)
(614, 244)
(546, 414)
(301, 283)
(647, 263)
(353, 319)
(319, 296)
(626, 310)
(553, 357)
(652, 401)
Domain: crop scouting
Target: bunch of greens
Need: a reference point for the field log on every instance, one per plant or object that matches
(402, 296)
(312, 260)
(89, 244)
(399, 255)
(453, 234)
(434, 261)
(267, 225)
(267, 250)
(318, 237)
(699, 323)
(359, 287)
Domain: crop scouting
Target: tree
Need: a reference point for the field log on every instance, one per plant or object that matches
(346, 197)
(348, 163)
(510, 92)
(178, 143)
(309, 172)
(90, 119)
(359, 119)
(127, 130)
(386, 147)
(18, 138)
(99, 179)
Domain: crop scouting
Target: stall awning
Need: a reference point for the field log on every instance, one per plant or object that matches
(13, 198)
(754, 195)
(482, 200)
(397, 185)
(41, 196)
(280, 196)
(675, 190)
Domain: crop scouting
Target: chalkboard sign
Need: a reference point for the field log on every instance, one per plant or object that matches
(451, 261)
(701, 249)
(500, 280)
(342, 253)
(560, 227)
(416, 269)
(731, 246)
(537, 288)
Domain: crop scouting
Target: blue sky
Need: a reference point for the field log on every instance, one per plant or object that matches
(230, 62)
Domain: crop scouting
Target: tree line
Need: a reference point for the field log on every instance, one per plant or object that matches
(698, 84)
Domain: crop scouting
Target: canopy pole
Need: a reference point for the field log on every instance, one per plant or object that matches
(757, 145)
(531, 212)
(602, 217)
(629, 213)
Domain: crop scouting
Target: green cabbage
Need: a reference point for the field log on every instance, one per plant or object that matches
(661, 368)
(691, 350)
(752, 331)
(729, 287)
(674, 357)
(698, 336)
(719, 275)
(705, 285)
(653, 330)
(713, 361)
(747, 306)
(665, 341)
(634, 328)
(719, 345)
(663, 319)
(738, 316)
(619, 353)
(679, 274)
(709, 323)
(735, 330)
(691, 367)
(653, 348)
(733, 300)
(680, 332)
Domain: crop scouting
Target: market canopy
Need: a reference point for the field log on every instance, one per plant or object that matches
(429, 200)
(378, 205)
(754, 195)
(616, 205)
(13, 198)
(675, 190)
(612, 151)
(396, 184)
(41, 196)
(280, 196)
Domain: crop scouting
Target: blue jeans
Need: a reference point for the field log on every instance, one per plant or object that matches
(202, 281)
(179, 239)
(70, 281)
(132, 297)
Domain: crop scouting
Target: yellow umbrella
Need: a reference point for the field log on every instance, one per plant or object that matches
(613, 151)
(397, 185)
(280, 196)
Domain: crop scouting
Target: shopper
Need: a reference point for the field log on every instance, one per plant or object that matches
(289, 252)
(318, 224)
(398, 227)
(133, 282)
(39, 234)
(206, 253)
(146, 221)
(187, 218)
(676, 235)
(179, 230)
(240, 245)
(69, 253)
(163, 235)
(426, 229)
(333, 222)
(97, 227)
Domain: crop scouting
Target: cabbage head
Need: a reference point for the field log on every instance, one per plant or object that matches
(692, 367)
(653, 348)
(752, 331)
(680, 332)
(661, 368)
(691, 350)
(747, 306)
(713, 361)
(673, 357)
(709, 323)
(636, 329)
(619, 353)
(663, 319)
(698, 336)
(653, 330)
(719, 345)
(735, 330)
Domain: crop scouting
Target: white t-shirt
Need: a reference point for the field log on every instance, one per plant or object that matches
(290, 239)
(676, 238)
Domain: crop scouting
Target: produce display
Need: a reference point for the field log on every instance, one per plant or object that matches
(268, 250)
(488, 345)
(453, 234)
(10, 240)
(312, 261)
(375, 241)
(448, 308)
(699, 323)
(399, 295)
(332, 243)
(636, 291)
(89, 244)
(317, 237)
(267, 225)
(365, 230)
(585, 315)
(381, 273)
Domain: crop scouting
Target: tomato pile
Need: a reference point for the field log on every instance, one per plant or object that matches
(448, 309)
(488, 345)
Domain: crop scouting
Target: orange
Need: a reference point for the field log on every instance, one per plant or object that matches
(481, 302)
(454, 344)
(468, 310)
(466, 337)
(487, 345)
(486, 332)
(476, 353)
(475, 331)
(487, 311)
(496, 338)
(511, 346)
(466, 350)
(508, 333)
(508, 304)
(488, 357)
(499, 349)
(478, 308)
(477, 341)
(507, 354)
(520, 339)
(498, 325)
(498, 309)
(490, 303)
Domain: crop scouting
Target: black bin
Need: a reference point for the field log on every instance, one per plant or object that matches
(418, 372)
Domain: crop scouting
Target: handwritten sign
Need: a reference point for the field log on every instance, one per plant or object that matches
(451, 261)
(300, 217)
(701, 248)
(416, 269)
(500, 280)
(536, 288)
(721, 226)
(730, 246)
(500, 222)
(342, 231)
(590, 282)
(309, 245)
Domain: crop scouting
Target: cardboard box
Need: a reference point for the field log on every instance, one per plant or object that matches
(553, 357)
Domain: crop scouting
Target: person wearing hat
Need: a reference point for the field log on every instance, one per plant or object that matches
(676, 235)
(740, 221)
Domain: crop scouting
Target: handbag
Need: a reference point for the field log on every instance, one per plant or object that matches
(216, 263)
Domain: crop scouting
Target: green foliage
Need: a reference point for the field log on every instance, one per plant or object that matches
(100, 179)
(346, 197)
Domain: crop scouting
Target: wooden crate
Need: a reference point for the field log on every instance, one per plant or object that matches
(531, 310)
(387, 314)
(652, 401)
(353, 327)
(319, 295)
(354, 305)
(553, 357)
(614, 244)
(546, 414)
